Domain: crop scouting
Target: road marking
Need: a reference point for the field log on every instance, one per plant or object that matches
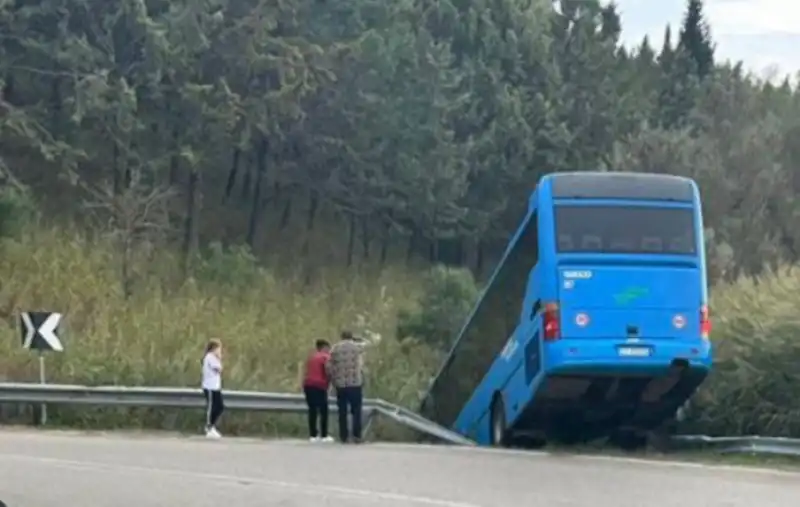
(306, 489)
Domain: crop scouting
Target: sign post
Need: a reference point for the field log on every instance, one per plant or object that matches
(40, 333)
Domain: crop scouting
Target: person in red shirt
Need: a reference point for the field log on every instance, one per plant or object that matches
(315, 387)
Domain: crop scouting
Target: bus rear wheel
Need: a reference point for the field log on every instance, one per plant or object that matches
(498, 433)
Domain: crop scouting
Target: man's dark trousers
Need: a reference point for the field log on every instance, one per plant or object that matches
(349, 399)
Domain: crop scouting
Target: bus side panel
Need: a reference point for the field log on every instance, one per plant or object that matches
(518, 391)
(478, 407)
(548, 278)
(481, 432)
(517, 366)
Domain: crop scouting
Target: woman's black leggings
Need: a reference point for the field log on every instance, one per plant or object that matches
(214, 406)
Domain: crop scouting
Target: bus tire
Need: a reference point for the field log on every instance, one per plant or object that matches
(498, 434)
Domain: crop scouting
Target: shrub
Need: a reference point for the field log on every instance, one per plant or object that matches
(17, 210)
(448, 296)
(754, 387)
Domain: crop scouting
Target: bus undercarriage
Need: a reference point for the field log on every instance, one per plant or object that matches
(573, 407)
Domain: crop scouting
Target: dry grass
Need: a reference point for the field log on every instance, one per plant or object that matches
(156, 337)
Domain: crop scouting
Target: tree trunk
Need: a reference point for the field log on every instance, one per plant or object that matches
(412, 244)
(351, 242)
(312, 211)
(276, 194)
(248, 178)
(433, 250)
(56, 107)
(8, 89)
(190, 224)
(255, 212)
(286, 215)
(311, 219)
(174, 159)
(480, 258)
(232, 173)
(115, 168)
(365, 237)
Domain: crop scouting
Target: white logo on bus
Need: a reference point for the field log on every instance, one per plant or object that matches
(581, 319)
(678, 321)
(582, 275)
(509, 349)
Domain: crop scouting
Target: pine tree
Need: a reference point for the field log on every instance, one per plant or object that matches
(667, 52)
(611, 24)
(695, 39)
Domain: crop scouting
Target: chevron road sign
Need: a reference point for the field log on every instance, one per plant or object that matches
(40, 331)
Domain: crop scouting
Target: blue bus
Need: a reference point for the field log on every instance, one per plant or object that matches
(595, 322)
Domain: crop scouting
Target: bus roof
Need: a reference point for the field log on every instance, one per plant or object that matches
(618, 185)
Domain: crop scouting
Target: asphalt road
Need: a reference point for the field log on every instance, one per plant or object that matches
(49, 469)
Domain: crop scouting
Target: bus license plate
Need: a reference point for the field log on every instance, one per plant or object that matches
(634, 351)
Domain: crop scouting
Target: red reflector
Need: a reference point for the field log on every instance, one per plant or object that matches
(705, 322)
(552, 326)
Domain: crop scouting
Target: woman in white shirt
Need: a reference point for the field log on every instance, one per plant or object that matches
(212, 386)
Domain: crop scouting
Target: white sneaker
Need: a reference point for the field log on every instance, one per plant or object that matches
(213, 433)
(313, 439)
(328, 439)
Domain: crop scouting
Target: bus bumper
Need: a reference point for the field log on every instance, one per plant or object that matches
(622, 356)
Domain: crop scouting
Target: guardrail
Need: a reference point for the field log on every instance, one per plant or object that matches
(740, 445)
(181, 397)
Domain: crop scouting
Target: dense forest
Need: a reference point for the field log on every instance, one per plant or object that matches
(383, 130)
(198, 148)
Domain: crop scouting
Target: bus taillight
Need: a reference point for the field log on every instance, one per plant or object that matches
(705, 323)
(552, 326)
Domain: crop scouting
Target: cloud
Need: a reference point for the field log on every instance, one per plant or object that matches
(751, 17)
(762, 33)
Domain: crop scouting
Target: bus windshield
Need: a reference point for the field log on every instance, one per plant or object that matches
(625, 230)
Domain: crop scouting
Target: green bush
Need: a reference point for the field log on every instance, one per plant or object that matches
(754, 387)
(17, 210)
(448, 296)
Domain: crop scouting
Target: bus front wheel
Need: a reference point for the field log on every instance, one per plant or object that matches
(497, 431)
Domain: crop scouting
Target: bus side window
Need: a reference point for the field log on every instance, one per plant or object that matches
(537, 305)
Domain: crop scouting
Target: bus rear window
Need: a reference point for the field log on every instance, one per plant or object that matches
(625, 230)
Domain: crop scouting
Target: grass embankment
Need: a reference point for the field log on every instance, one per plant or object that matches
(269, 321)
(156, 336)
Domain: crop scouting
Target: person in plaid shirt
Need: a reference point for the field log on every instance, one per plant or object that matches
(346, 370)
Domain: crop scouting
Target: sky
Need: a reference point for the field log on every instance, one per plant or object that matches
(764, 34)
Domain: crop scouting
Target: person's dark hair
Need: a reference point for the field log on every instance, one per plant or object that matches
(346, 335)
(213, 344)
(321, 344)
